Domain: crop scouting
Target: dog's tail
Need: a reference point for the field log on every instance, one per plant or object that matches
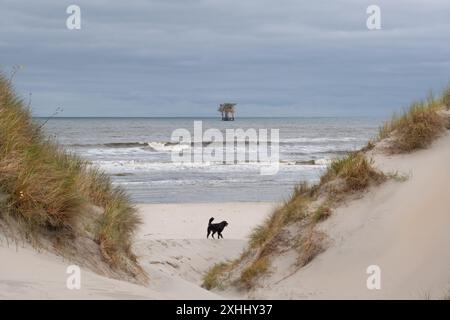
(210, 220)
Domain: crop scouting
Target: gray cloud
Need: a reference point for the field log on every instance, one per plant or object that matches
(183, 57)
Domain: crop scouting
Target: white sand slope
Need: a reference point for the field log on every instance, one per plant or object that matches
(28, 274)
(173, 237)
(403, 227)
(172, 246)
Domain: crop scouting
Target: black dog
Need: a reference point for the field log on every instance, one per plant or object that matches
(216, 227)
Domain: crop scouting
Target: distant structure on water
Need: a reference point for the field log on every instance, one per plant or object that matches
(227, 110)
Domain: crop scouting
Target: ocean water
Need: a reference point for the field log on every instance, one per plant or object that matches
(136, 153)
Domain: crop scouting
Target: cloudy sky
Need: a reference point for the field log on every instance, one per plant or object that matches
(184, 57)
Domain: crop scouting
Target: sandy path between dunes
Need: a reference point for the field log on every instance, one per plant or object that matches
(403, 227)
(172, 246)
(173, 236)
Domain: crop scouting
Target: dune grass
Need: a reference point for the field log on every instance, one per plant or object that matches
(446, 98)
(212, 278)
(355, 170)
(255, 270)
(119, 221)
(49, 191)
(310, 244)
(417, 127)
(321, 213)
(292, 210)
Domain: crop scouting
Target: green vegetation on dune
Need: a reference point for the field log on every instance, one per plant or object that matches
(418, 126)
(355, 170)
(211, 280)
(53, 194)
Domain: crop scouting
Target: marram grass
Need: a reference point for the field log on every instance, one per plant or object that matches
(49, 191)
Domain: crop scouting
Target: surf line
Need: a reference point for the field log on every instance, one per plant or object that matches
(238, 146)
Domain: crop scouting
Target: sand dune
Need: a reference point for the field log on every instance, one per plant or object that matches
(400, 226)
(28, 274)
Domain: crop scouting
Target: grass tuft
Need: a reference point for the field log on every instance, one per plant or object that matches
(309, 246)
(211, 279)
(369, 146)
(446, 98)
(355, 170)
(291, 211)
(254, 271)
(415, 129)
(322, 213)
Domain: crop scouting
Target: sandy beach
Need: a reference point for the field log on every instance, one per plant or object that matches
(171, 245)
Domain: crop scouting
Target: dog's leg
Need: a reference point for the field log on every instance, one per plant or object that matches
(209, 232)
(213, 234)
